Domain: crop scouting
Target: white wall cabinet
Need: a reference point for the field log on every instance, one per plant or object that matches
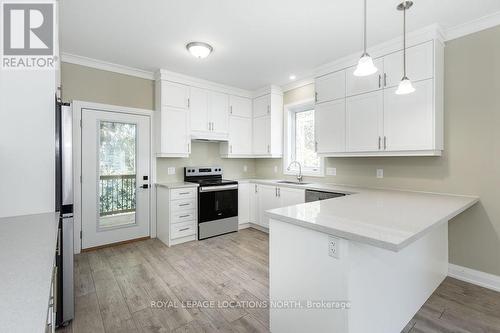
(364, 122)
(377, 121)
(209, 114)
(267, 135)
(330, 87)
(330, 129)
(219, 113)
(239, 144)
(244, 203)
(198, 107)
(171, 120)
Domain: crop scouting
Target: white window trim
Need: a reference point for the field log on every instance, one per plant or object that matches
(290, 110)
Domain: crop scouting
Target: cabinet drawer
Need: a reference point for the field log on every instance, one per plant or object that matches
(183, 216)
(183, 193)
(183, 229)
(186, 204)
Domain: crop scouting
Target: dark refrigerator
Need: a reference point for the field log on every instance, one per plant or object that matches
(64, 298)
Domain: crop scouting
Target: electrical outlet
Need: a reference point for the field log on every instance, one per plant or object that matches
(380, 173)
(245, 168)
(171, 170)
(275, 169)
(331, 171)
(333, 247)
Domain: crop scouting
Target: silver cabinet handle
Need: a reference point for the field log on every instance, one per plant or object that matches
(268, 149)
(183, 193)
(183, 216)
(231, 149)
(275, 191)
(231, 109)
(385, 142)
(189, 103)
(189, 147)
(268, 109)
(184, 229)
(379, 81)
(316, 97)
(385, 79)
(315, 146)
(256, 188)
(185, 204)
(379, 139)
(279, 192)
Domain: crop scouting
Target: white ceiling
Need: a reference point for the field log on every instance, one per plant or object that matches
(256, 42)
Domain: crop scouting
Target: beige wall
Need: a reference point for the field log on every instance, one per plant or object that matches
(471, 160)
(98, 86)
(94, 85)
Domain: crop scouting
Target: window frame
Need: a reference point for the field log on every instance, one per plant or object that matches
(289, 139)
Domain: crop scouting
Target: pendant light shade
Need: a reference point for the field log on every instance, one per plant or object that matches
(405, 86)
(365, 64)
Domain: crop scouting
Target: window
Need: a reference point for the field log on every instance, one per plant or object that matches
(300, 142)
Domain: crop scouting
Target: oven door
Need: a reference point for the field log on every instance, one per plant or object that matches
(217, 202)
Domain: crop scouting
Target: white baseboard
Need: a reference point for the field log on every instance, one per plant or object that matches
(479, 278)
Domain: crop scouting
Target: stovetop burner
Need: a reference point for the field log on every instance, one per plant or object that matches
(206, 176)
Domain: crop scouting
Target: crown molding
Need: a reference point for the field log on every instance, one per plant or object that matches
(107, 66)
(297, 84)
(482, 23)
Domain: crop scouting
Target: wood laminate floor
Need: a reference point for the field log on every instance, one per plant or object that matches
(115, 288)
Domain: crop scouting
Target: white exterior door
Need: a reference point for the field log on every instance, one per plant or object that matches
(330, 126)
(115, 166)
(365, 122)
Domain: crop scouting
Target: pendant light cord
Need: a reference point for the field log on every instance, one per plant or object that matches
(365, 28)
(404, 38)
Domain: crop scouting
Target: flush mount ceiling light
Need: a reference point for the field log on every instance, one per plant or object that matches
(199, 49)
(365, 65)
(405, 86)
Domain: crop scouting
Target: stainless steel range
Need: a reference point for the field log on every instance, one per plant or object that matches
(217, 201)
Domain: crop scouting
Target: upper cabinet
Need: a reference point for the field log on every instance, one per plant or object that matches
(366, 117)
(209, 114)
(174, 94)
(240, 106)
(239, 142)
(268, 125)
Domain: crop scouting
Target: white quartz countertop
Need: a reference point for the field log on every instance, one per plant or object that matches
(177, 185)
(389, 219)
(27, 251)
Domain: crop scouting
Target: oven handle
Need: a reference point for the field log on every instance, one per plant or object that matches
(218, 188)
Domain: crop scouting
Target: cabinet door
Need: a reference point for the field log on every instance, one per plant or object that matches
(219, 112)
(419, 64)
(408, 119)
(244, 202)
(261, 128)
(174, 131)
(363, 84)
(174, 94)
(261, 106)
(240, 106)
(291, 196)
(364, 122)
(240, 133)
(198, 106)
(330, 87)
(330, 125)
(254, 204)
(268, 199)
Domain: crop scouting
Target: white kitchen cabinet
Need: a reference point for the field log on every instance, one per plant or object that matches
(244, 190)
(240, 106)
(330, 87)
(172, 127)
(271, 197)
(262, 106)
(330, 126)
(364, 122)
(268, 128)
(219, 112)
(408, 119)
(198, 107)
(356, 85)
(254, 203)
(419, 64)
(174, 94)
(239, 142)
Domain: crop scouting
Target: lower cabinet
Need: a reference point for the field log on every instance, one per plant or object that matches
(177, 214)
(255, 199)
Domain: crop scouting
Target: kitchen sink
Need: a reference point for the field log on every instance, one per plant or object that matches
(291, 182)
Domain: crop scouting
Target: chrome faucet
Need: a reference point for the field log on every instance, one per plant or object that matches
(299, 175)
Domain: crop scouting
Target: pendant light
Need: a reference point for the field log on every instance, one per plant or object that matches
(405, 86)
(365, 64)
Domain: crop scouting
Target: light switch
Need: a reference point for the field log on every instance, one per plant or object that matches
(171, 170)
(380, 173)
(331, 171)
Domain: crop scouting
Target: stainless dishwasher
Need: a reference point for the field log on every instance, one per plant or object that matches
(313, 195)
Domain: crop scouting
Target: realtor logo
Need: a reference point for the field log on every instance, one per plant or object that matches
(28, 35)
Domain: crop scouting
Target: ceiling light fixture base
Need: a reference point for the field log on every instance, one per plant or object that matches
(405, 5)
